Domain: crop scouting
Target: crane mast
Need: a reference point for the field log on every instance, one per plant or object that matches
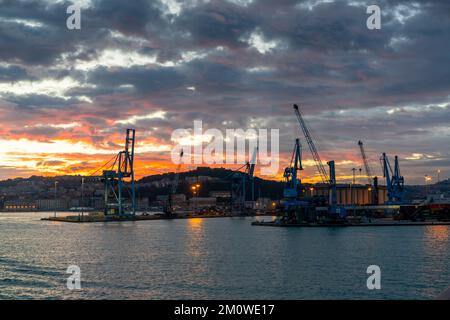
(315, 154)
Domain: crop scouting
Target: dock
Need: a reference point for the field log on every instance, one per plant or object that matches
(375, 223)
(111, 218)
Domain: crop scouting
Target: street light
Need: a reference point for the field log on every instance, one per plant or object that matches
(438, 173)
(56, 184)
(82, 197)
(427, 179)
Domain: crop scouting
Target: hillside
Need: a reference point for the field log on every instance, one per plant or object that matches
(210, 179)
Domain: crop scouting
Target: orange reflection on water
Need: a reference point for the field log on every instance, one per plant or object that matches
(437, 233)
(195, 223)
(195, 238)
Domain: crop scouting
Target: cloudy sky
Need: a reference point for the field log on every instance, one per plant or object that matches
(66, 96)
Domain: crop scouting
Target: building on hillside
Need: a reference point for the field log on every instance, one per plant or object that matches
(199, 179)
(220, 194)
(263, 204)
(51, 204)
(178, 201)
(19, 205)
(196, 203)
(142, 203)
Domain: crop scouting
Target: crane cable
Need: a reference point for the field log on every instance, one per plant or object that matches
(104, 165)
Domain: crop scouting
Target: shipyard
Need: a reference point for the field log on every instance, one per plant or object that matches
(380, 201)
(207, 152)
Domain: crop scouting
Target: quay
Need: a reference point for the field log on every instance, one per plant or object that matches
(113, 218)
(373, 223)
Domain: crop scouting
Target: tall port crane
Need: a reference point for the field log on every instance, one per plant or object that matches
(315, 154)
(330, 179)
(295, 208)
(115, 180)
(394, 181)
(373, 181)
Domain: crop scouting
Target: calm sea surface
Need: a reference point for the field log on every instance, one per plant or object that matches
(223, 258)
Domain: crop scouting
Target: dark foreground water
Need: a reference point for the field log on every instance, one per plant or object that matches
(223, 258)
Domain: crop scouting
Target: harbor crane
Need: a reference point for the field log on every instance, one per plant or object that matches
(372, 180)
(115, 179)
(290, 173)
(292, 182)
(296, 208)
(330, 179)
(394, 181)
(239, 184)
(315, 154)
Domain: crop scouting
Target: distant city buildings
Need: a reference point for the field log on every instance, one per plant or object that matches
(40, 194)
(19, 205)
(196, 203)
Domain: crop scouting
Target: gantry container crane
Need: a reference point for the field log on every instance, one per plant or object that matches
(115, 179)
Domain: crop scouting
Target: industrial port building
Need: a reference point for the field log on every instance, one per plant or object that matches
(349, 194)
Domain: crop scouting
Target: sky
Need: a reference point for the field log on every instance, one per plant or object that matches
(67, 96)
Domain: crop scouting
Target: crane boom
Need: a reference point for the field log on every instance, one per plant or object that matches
(366, 162)
(315, 154)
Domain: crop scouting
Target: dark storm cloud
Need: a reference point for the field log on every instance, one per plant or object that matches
(13, 73)
(40, 41)
(45, 41)
(145, 80)
(138, 17)
(217, 23)
(39, 100)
